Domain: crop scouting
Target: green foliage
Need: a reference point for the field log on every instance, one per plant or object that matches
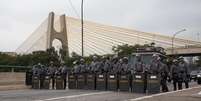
(124, 50)
(45, 57)
(7, 59)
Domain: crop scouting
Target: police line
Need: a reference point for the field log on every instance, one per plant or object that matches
(138, 83)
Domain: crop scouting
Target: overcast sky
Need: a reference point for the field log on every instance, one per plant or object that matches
(19, 18)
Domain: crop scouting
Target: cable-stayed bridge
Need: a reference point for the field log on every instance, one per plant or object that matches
(98, 38)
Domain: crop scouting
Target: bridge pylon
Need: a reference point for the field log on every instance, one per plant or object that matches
(53, 34)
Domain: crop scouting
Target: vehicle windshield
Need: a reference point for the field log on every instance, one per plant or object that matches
(146, 59)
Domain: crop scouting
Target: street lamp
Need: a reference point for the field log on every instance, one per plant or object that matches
(174, 35)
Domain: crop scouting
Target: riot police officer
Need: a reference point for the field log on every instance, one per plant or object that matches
(35, 71)
(64, 73)
(95, 65)
(82, 66)
(58, 71)
(36, 74)
(164, 75)
(76, 68)
(52, 70)
(155, 64)
(124, 66)
(183, 73)
(107, 65)
(139, 66)
(114, 64)
(174, 73)
(42, 72)
(101, 64)
(118, 67)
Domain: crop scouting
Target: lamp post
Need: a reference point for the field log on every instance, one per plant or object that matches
(174, 35)
(82, 24)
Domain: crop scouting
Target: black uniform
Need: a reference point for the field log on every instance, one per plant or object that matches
(52, 70)
(119, 67)
(139, 68)
(155, 66)
(139, 65)
(76, 69)
(107, 66)
(64, 74)
(125, 67)
(35, 71)
(42, 76)
(164, 76)
(96, 66)
(174, 75)
(183, 74)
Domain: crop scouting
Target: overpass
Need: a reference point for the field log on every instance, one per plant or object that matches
(98, 38)
(185, 51)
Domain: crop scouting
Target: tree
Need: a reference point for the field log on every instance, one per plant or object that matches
(6, 59)
(124, 50)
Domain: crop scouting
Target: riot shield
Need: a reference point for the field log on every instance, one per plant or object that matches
(72, 79)
(153, 83)
(59, 82)
(90, 81)
(138, 83)
(112, 83)
(46, 82)
(81, 79)
(35, 82)
(124, 82)
(101, 81)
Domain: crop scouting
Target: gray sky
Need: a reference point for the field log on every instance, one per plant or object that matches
(19, 18)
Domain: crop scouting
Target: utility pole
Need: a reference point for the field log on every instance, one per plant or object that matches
(82, 25)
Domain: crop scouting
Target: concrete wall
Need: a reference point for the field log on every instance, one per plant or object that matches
(12, 78)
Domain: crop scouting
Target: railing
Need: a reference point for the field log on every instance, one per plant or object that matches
(9, 68)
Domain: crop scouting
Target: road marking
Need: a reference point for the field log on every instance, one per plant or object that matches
(73, 96)
(155, 95)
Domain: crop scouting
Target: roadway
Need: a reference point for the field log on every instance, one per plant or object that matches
(87, 95)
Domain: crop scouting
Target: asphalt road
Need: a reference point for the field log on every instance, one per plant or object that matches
(86, 95)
